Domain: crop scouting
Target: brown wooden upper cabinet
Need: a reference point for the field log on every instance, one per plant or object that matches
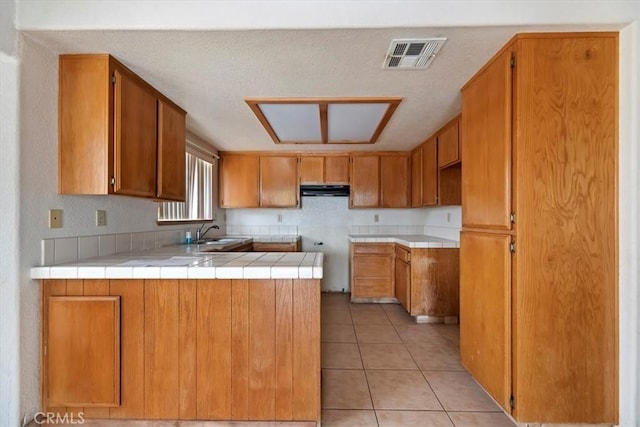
(251, 181)
(324, 170)
(380, 180)
(394, 181)
(279, 182)
(113, 130)
(365, 181)
(424, 174)
(416, 177)
(449, 143)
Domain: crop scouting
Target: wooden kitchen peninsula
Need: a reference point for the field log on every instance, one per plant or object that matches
(228, 336)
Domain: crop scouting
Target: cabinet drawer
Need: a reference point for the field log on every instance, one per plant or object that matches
(403, 254)
(369, 248)
(275, 247)
(373, 287)
(372, 266)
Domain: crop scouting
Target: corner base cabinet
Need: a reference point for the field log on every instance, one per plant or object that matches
(539, 260)
(182, 349)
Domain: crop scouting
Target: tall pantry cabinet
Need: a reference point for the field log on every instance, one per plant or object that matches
(538, 249)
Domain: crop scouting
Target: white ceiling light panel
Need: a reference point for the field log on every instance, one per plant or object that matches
(294, 122)
(354, 122)
(411, 54)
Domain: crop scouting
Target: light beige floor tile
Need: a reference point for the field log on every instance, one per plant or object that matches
(413, 419)
(459, 392)
(348, 418)
(336, 316)
(359, 306)
(392, 307)
(370, 317)
(480, 419)
(338, 333)
(400, 317)
(334, 300)
(386, 356)
(440, 356)
(451, 333)
(341, 355)
(420, 334)
(403, 390)
(345, 389)
(376, 334)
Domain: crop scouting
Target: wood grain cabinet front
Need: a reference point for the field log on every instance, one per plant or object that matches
(324, 169)
(372, 272)
(276, 246)
(117, 134)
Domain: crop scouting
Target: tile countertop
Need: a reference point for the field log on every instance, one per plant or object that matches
(180, 262)
(408, 240)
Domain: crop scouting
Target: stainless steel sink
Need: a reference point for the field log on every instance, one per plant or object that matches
(220, 244)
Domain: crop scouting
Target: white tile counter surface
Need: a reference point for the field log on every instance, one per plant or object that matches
(215, 265)
(408, 240)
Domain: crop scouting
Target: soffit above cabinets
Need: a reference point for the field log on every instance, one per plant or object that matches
(324, 120)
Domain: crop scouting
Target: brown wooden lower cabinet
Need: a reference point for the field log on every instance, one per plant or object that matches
(276, 246)
(425, 281)
(188, 349)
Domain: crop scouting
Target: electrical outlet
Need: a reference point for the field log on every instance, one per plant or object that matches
(279, 217)
(101, 218)
(376, 218)
(448, 216)
(55, 218)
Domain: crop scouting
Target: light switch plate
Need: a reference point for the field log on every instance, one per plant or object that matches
(101, 218)
(55, 218)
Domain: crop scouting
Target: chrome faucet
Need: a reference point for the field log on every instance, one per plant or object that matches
(200, 234)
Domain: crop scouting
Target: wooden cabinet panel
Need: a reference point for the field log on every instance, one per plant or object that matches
(306, 350)
(372, 266)
(430, 173)
(312, 170)
(284, 349)
(240, 349)
(82, 350)
(134, 137)
(416, 177)
(365, 181)
(188, 350)
(84, 97)
(566, 225)
(276, 247)
(161, 349)
(372, 270)
(486, 141)
(336, 170)
(435, 282)
(394, 181)
(449, 144)
(239, 180)
(403, 283)
(214, 349)
(485, 311)
(278, 182)
(171, 152)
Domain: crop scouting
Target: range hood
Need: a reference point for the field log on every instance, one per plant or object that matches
(324, 190)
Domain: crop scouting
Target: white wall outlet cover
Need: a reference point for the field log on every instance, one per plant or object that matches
(101, 218)
(55, 218)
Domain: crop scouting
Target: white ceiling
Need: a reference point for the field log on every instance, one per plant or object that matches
(209, 73)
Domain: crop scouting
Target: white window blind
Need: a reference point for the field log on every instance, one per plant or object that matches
(199, 199)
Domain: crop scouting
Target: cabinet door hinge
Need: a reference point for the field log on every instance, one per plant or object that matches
(512, 402)
(513, 61)
(113, 79)
(113, 181)
(512, 217)
(512, 247)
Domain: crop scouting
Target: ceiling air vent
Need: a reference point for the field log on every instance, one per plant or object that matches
(409, 54)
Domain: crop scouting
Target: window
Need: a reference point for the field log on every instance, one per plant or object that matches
(199, 199)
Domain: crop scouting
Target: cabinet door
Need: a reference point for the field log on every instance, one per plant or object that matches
(394, 181)
(416, 177)
(135, 125)
(82, 348)
(486, 144)
(485, 311)
(365, 182)
(171, 156)
(373, 276)
(336, 170)
(275, 247)
(430, 173)
(311, 170)
(449, 144)
(279, 182)
(239, 177)
(403, 283)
